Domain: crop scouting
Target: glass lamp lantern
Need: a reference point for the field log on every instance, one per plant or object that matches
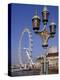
(36, 22)
(45, 15)
(52, 29)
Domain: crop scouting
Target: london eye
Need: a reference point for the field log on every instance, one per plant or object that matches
(26, 51)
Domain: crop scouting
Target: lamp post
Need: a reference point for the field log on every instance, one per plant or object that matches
(44, 33)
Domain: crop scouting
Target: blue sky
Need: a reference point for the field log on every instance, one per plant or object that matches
(21, 17)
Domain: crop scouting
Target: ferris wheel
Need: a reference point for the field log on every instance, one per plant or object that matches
(27, 51)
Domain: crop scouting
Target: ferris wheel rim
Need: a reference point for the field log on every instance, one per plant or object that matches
(30, 42)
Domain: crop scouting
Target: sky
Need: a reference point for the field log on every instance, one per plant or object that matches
(21, 18)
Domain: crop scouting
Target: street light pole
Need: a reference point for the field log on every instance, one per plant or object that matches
(44, 34)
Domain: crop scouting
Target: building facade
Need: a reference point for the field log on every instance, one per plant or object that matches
(51, 58)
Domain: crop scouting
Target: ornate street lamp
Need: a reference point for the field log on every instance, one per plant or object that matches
(44, 34)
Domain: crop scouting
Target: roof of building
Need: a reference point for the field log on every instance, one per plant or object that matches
(52, 54)
(49, 55)
(52, 49)
(39, 58)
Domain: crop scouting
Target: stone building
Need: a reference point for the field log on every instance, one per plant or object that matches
(51, 58)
